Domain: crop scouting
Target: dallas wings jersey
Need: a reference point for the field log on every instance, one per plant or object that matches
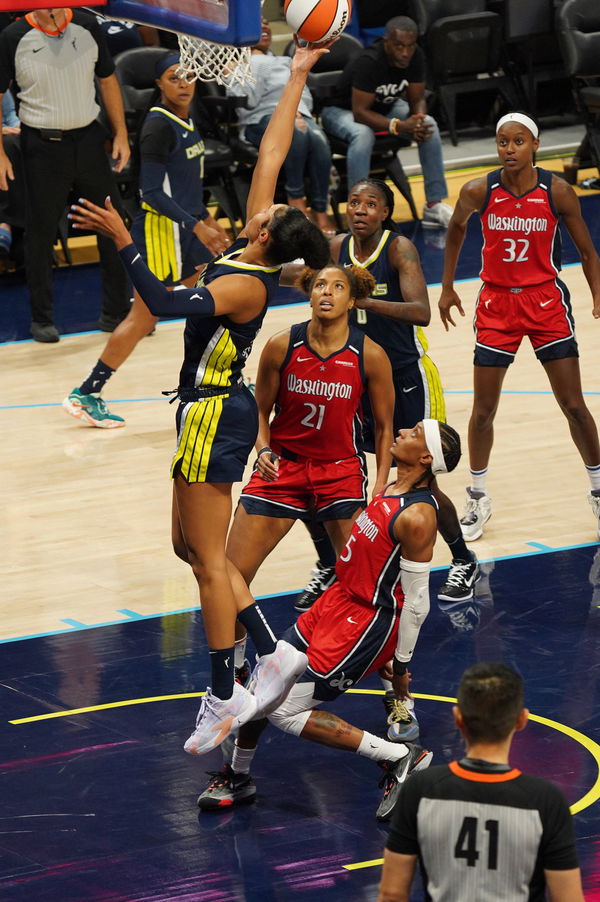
(521, 238)
(317, 394)
(403, 343)
(215, 348)
(368, 568)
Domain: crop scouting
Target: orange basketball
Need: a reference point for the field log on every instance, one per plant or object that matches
(317, 20)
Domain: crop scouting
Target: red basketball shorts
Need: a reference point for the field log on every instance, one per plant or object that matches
(504, 316)
(344, 641)
(325, 490)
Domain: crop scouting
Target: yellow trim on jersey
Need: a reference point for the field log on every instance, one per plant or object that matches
(435, 391)
(226, 258)
(189, 125)
(374, 255)
(421, 340)
(161, 253)
(197, 438)
(217, 366)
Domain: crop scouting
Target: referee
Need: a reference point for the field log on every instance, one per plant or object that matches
(52, 57)
(483, 831)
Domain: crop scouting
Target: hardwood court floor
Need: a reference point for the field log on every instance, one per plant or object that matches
(86, 525)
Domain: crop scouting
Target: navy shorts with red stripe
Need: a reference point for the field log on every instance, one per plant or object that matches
(504, 316)
(344, 641)
(323, 490)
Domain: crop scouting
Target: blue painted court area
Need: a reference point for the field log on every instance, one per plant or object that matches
(77, 289)
(100, 805)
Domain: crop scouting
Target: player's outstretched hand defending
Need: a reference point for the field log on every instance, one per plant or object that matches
(86, 215)
(449, 299)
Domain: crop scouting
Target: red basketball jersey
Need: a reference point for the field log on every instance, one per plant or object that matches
(369, 566)
(521, 238)
(318, 403)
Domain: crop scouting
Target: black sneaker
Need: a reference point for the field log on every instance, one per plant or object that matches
(227, 789)
(321, 579)
(45, 332)
(396, 773)
(460, 582)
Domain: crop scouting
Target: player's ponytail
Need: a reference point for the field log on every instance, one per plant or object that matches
(292, 236)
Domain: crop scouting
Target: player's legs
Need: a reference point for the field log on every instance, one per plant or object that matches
(565, 380)
(487, 387)
(339, 531)
(252, 538)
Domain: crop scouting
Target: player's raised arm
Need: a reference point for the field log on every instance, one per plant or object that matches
(277, 138)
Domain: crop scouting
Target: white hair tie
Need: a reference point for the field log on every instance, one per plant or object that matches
(522, 119)
(433, 440)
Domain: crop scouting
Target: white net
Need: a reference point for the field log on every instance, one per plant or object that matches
(206, 61)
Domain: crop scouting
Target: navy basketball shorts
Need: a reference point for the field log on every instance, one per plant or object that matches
(504, 316)
(171, 253)
(419, 395)
(306, 488)
(344, 641)
(215, 437)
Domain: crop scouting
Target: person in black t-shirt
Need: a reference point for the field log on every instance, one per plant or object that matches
(383, 90)
(481, 829)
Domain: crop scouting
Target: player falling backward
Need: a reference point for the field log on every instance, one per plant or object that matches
(372, 614)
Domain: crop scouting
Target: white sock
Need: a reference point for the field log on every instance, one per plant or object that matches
(239, 651)
(478, 479)
(242, 759)
(594, 476)
(387, 685)
(378, 749)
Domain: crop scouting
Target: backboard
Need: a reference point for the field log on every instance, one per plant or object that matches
(222, 21)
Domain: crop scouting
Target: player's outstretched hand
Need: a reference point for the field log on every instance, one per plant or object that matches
(449, 299)
(306, 56)
(86, 215)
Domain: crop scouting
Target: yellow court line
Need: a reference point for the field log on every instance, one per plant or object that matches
(591, 796)
(107, 706)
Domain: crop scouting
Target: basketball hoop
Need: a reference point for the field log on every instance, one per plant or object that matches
(205, 61)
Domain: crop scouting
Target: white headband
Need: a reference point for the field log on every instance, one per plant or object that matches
(431, 428)
(522, 119)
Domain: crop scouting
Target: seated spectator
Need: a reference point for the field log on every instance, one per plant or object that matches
(383, 90)
(310, 153)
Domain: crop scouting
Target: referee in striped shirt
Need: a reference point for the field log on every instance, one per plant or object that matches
(52, 58)
(482, 830)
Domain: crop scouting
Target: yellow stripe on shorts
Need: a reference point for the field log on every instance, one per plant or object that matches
(160, 246)
(434, 393)
(197, 438)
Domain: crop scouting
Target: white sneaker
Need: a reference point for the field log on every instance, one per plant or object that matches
(217, 718)
(274, 676)
(595, 503)
(437, 217)
(477, 512)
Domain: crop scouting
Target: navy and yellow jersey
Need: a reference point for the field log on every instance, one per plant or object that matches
(403, 343)
(171, 190)
(215, 348)
(172, 167)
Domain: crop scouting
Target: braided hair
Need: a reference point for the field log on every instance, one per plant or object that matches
(451, 450)
(387, 196)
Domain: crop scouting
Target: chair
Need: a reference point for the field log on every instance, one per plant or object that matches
(533, 52)
(578, 29)
(135, 70)
(464, 54)
(322, 81)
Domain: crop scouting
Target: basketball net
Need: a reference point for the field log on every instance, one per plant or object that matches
(202, 60)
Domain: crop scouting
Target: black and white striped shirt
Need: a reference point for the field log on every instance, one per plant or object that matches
(54, 76)
(482, 833)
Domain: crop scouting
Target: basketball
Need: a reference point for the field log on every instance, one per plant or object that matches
(317, 20)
